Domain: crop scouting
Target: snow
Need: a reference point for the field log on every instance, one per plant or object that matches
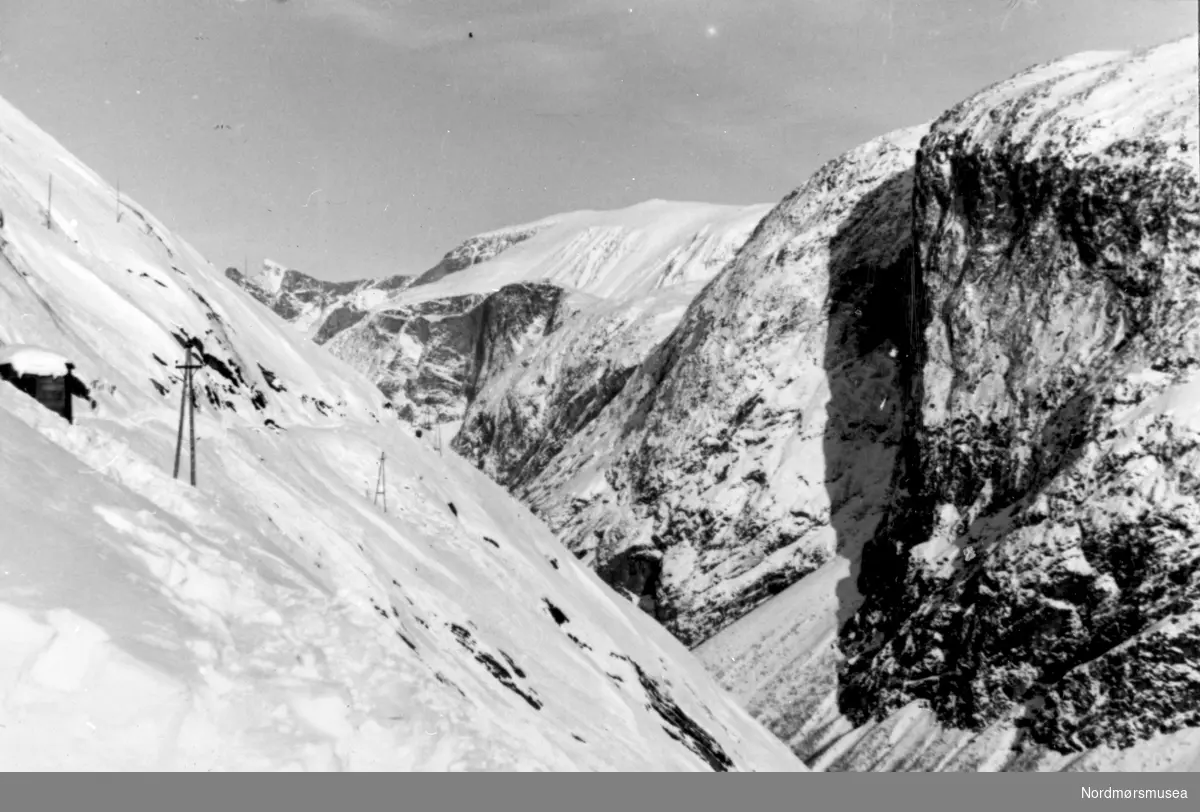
(270, 276)
(31, 360)
(610, 254)
(258, 644)
(273, 618)
(1091, 101)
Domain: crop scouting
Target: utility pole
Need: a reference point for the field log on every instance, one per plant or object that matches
(381, 482)
(187, 403)
(49, 201)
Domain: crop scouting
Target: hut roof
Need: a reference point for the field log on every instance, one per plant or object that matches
(26, 359)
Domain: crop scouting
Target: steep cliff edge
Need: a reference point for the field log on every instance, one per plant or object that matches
(1041, 558)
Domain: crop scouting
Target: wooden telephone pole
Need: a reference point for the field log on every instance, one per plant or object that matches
(187, 404)
(381, 482)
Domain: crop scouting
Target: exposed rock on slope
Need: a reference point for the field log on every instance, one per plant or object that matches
(710, 483)
(322, 309)
(1042, 556)
(431, 356)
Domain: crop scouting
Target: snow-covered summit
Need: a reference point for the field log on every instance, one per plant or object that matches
(276, 617)
(608, 254)
(1086, 104)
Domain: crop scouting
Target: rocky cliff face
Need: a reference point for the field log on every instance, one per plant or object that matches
(1029, 598)
(1040, 558)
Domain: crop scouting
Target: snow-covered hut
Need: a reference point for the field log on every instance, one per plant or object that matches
(43, 375)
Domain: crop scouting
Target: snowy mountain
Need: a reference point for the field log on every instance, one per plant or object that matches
(931, 509)
(275, 617)
(578, 298)
(906, 459)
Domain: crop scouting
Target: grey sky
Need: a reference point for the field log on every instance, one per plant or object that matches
(366, 137)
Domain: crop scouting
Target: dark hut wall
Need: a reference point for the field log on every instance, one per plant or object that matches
(49, 390)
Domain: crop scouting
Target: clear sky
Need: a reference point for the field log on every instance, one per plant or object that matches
(352, 138)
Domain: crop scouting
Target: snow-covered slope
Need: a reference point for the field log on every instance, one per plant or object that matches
(273, 617)
(123, 298)
(609, 254)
